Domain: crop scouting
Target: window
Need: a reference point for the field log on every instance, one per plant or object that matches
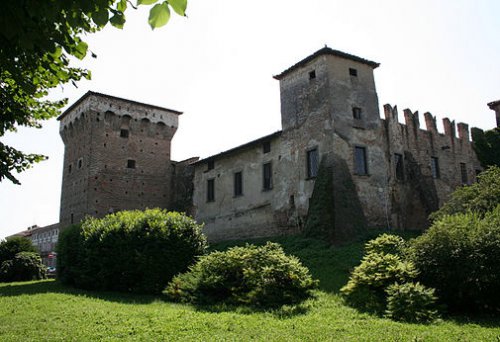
(238, 184)
(266, 147)
(312, 163)
(360, 165)
(398, 162)
(463, 173)
(353, 72)
(70, 166)
(124, 133)
(211, 190)
(210, 165)
(72, 220)
(80, 163)
(131, 164)
(312, 75)
(435, 167)
(356, 113)
(267, 173)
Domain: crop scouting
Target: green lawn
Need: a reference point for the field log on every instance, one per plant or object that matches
(48, 311)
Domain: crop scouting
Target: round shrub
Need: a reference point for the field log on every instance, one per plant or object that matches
(256, 276)
(386, 244)
(411, 302)
(23, 267)
(459, 256)
(134, 251)
(366, 287)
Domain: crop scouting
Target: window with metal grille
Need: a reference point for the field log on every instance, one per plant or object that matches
(238, 184)
(399, 166)
(131, 164)
(435, 167)
(353, 72)
(211, 190)
(312, 163)
(267, 174)
(124, 133)
(360, 165)
(463, 173)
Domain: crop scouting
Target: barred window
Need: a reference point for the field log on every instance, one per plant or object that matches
(312, 163)
(435, 167)
(238, 184)
(267, 173)
(360, 165)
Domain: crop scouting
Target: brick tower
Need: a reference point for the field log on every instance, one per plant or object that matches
(116, 156)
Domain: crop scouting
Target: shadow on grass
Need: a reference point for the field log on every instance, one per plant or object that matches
(52, 286)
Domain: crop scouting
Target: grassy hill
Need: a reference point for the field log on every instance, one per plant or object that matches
(48, 311)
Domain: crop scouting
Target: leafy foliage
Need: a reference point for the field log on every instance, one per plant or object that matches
(261, 276)
(487, 146)
(459, 257)
(480, 197)
(366, 288)
(386, 244)
(23, 267)
(10, 247)
(135, 251)
(411, 302)
(37, 39)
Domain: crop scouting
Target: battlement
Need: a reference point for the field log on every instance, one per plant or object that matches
(412, 122)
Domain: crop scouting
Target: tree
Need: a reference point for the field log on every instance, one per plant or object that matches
(487, 146)
(10, 247)
(36, 40)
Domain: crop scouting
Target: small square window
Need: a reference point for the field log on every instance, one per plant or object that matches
(312, 75)
(124, 133)
(356, 113)
(353, 72)
(131, 164)
(210, 165)
(266, 147)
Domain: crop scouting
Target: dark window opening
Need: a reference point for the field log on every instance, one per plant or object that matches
(435, 167)
(238, 184)
(356, 113)
(124, 133)
(80, 162)
(398, 161)
(210, 165)
(360, 164)
(266, 147)
(267, 173)
(131, 164)
(72, 220)
(353, 72)
(312, 75)
(312, 163)
(69, 168)
(463, 173)
(211, 190)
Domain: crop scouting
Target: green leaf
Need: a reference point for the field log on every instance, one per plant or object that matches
(146, 2)
(159, 15)
(100, 18)
(118, 20)
(81, 50)
(121, 6)
(179, 6)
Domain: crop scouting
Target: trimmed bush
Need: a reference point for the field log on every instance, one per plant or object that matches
(386, 244)
(459, 256)
(256, 276)
(366, 287)
(479, 197)
(133, 251)
(10, 247)
(411, 302)
(23, 267)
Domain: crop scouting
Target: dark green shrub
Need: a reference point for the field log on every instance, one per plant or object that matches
(411, 302)
(479, 197)
(23, 267)
(136, 251)
(366, 287)
(257, 276)
(386, 244)
(459, 256)
(10, 247)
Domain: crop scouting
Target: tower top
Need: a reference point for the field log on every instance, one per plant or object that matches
(326, 51)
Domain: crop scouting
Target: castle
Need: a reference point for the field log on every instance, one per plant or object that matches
(117, 157)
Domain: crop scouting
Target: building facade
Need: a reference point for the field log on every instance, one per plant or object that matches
(384, 173)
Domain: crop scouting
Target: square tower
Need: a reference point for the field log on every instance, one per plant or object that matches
(116, 156)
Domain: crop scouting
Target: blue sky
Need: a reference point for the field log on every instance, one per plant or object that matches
(217, 66)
